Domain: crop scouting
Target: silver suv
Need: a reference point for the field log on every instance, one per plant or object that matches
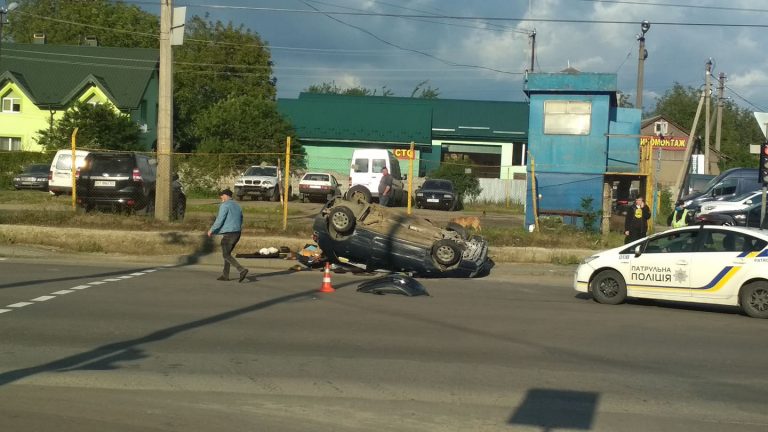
(259, 182)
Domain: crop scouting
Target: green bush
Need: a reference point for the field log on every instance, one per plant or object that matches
(666, 206)
(467, 185)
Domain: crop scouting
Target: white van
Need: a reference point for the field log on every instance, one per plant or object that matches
(60, 176)
(365, 175)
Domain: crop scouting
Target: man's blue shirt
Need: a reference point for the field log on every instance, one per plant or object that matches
(229, 219)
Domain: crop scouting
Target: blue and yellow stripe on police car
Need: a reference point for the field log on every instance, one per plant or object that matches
(753, 254)
(719, 281)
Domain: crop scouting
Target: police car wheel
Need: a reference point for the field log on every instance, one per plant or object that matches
(754, 299)
(608, 287)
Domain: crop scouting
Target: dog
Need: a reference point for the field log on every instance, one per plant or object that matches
(468, 222)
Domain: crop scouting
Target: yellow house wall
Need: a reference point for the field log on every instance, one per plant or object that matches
(31, 118)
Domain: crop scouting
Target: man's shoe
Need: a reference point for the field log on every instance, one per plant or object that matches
(222, 278)
(242, 275)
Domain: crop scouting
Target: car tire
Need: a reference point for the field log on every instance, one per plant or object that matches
(342, 219)
(728, 223)
(275, 195)
(359, 193)
(453, 226)
(753, 299)
(446, 252)
(608, 287)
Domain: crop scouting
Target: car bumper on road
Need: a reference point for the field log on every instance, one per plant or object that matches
(30, 185)
(581, 277)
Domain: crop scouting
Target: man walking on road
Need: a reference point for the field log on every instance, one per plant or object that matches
(385, 187)
(229, 223)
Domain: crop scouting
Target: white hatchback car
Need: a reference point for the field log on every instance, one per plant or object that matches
(699, 264)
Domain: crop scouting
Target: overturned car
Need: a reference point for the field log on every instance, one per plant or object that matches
(375, 237)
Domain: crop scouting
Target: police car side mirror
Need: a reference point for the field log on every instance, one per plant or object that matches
(638, 250)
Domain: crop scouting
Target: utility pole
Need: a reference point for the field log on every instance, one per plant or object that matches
(707, 97)
(163, 194)
(688, 150)
(642, 54)
(532, 37)
(719, 120)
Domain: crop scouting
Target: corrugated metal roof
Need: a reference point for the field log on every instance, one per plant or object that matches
(52, 74)
(398, 119)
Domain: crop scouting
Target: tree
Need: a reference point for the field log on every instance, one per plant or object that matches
(332, 88)
(739, 129)
(114, 24)
(99, 127)
(242, 124)
(624, 101)
(465, 184)
(218, 62)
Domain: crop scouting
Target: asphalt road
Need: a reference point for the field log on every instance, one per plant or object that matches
(86, 347)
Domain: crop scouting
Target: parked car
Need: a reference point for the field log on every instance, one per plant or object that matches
(124, 182)
(60, 175)
(32, 177)
(375, 237)
(697, 264)
(365, 175)
(727, 184)
(318, 186)
(438, 193)
(259, 182)
(736, 203)
(748, 216)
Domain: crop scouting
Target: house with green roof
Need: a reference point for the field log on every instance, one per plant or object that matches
(491, 135)
(38, 82)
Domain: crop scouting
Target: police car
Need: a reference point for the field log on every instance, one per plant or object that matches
(699, 264)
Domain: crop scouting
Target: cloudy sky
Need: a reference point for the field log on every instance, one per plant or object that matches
(482, 51)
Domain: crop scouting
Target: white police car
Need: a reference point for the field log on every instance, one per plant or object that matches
(699, 264)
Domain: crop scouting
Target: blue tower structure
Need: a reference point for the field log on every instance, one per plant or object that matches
(580, 142)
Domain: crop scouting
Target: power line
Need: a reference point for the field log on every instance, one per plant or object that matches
(687, 6)
(759, 108)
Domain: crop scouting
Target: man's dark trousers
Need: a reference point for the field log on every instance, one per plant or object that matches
(228, 243)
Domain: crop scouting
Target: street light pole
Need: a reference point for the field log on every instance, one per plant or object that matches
(641, 56)
(4, 10)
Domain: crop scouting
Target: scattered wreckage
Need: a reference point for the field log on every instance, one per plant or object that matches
(373, 237)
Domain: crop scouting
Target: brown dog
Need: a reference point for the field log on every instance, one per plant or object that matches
(468, 222)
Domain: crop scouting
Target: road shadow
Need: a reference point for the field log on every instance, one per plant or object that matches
(109, 357)
(556, 409)
(205, 248)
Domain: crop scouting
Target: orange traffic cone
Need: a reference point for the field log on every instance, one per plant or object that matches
(327, 287)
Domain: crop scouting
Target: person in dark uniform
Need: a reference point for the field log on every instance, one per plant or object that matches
(636, 222)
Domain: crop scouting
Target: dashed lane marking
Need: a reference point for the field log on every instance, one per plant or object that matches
(72, 289)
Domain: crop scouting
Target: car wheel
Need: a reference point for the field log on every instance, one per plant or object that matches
(727, 223)
(359, 193)
(275, 195)
(446, 252)
(754, 299)
(453, 226)
(608, 287)
(342, 219)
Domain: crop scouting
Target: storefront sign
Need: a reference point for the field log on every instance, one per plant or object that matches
(664, 143)
(404, 154)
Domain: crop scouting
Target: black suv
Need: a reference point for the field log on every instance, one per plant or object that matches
(123, 181)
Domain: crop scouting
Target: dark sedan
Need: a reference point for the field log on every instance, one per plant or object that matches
(373, 237)
(438, 193)
(749, 217)
(33, 177)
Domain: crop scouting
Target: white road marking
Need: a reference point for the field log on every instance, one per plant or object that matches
(150, 270)
(3, 259)
(19, 304)
(125, 277)
(43, 298)
(79, 287)
(62, 292)
(137, 274)
(96, 283)
(4, 310)
(112, 280)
